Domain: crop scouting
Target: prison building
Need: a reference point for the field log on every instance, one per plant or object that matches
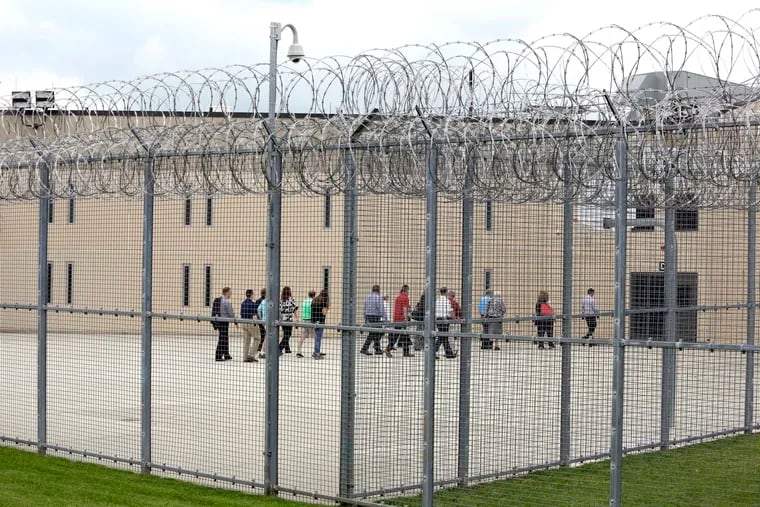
(203, 243)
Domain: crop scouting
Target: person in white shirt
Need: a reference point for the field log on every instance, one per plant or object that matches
(590, 313)
(374, 313)
(443, 313)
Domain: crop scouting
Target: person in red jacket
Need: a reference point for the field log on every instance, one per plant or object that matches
(401, 315)
(455, 307)
(545, 325)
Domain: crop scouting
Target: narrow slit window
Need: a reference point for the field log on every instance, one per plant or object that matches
(328, 209)
(51, 208)
(207, 287)
(71, 204)
(489, 215)
(487, 280)
(49, 282)
(188, 211)
(209, 211)
(69, 283)
(186, 285)
(326, 278)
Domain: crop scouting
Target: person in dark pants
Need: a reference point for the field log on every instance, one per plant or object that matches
(287, 308)
(262, 327)
(418, 314)
(374, 312)
(485, 342)
(545, 326)
(443, 314)
(400, 317)
(590, 313)
(223, 343)
(319, 308)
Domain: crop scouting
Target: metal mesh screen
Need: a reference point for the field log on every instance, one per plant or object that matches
(468, 274)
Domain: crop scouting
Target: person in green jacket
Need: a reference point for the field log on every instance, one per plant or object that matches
(307, 332)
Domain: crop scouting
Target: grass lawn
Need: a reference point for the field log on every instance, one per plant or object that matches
(714, 474)
(27, 479)
(720, 473)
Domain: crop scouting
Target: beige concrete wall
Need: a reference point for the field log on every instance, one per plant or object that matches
(104, 245)
(523, 253)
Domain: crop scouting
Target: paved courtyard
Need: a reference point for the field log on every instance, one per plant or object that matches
(209, 416)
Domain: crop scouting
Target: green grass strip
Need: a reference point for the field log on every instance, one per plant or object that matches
(714, 474)
(28, 479)
(720, 473)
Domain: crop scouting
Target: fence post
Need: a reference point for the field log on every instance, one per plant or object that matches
(42, 300)
(272, 407)
(749, 377)
(465, 348)
(274, 222)
(348, 337)
(146, 332)
(567, 316)
(146, 319)
(618, 364)
(431, 223)
(668, 384)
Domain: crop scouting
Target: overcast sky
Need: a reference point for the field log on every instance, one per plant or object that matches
(59, 43)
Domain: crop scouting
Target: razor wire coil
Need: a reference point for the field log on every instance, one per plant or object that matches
(513, 121)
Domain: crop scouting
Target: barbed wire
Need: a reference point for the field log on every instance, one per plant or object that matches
(511, 121)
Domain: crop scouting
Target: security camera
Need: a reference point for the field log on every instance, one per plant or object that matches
(295, 53)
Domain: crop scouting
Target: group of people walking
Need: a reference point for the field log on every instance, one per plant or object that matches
(379, 313)
(545, 321)
(313, 309)
(376, 312)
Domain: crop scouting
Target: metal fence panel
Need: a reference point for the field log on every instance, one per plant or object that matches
(18, 378)
(487, 178)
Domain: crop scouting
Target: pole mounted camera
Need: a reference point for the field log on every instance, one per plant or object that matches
(295, 51)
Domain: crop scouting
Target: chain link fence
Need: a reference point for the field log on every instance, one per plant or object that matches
(479, 267)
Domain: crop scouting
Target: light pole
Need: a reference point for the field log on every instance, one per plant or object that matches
(274, 190)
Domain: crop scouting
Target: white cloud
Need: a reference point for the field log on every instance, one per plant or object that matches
(96, 41)
(51, 27)
(13, 15)
(580, 18)
(151, 56)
